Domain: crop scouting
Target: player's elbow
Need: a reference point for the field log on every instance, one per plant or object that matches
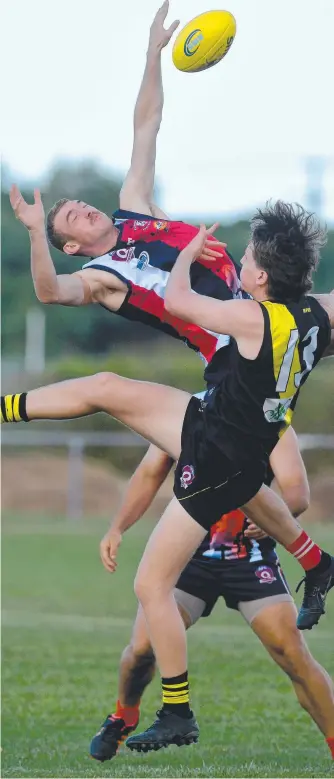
(174, 304)
(48, 297)
(297, 497)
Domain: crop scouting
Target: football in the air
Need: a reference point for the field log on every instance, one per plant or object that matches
(204, 41)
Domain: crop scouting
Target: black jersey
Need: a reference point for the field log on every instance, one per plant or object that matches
(253, 400)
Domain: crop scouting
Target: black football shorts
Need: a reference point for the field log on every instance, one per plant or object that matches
(206, 482)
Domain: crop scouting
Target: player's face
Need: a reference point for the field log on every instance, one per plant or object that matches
(252, 278)
(84, 226)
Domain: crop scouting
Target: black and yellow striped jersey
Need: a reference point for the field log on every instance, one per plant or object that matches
(253, 400)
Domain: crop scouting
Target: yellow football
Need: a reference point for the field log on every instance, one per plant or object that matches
(204, 41)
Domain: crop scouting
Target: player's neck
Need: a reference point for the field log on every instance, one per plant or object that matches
(104, 245)
(261, 295)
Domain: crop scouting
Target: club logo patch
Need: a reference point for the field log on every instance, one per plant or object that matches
(265, 574)
(187, 476)
(160, 225)
(143, 260)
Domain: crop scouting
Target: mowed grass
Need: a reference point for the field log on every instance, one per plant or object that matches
(65, 622)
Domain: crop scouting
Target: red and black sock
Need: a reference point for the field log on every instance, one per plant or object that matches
(330, 742)
(309, 554)
(130, 714)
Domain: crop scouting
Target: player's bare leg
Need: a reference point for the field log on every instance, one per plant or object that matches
(153, 410)
(169, 548)
(290, 473)
(268, 511)
(275, 625)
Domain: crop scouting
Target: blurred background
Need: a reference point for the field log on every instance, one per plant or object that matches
(257, 126)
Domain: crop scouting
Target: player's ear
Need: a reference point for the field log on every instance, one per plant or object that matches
(262, 277)
(71, 247)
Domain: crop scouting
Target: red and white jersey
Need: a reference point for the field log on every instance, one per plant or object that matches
(143, 257)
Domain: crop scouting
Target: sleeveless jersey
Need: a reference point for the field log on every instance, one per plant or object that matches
(143, 257)
(253, 400)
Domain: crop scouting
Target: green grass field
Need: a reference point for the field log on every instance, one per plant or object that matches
(65, 622)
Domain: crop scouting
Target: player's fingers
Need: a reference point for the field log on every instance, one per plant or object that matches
(213, 228)
(37, 196)
(164, 8)
(105, 555)
(15, 196)
(173, 27)
(213, 252)
(207, 257)
(253, 531)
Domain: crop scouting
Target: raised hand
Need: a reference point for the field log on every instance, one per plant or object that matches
(159, 36)
(202, 246)
(32, 216)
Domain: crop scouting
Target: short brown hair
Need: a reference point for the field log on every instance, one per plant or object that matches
(56, 239)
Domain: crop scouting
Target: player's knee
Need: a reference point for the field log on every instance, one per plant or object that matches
(142, 588)
(142, 652)
(103, 382)
(148, 589)
(297, 497)
(290, 651)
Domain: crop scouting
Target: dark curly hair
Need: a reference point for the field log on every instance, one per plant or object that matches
(286, 241)
(56, 239)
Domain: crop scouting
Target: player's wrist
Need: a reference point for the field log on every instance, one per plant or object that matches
(153, 54)
(38, 229)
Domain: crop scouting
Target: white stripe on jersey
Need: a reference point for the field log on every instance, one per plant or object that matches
(148, 277)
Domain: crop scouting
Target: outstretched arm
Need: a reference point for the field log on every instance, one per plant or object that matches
(142, 488)
(137, 191)
(68, 289)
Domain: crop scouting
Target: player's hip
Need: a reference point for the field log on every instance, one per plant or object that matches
(241, 584)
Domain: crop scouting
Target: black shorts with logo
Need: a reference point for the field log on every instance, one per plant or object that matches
(235, 581)
(207, 483)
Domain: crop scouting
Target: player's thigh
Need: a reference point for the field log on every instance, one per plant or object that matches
(290, 472)
(190, 606)
(155, 411)
(169, 548)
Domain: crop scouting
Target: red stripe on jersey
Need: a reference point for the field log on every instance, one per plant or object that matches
(149, 301)
(178, 235)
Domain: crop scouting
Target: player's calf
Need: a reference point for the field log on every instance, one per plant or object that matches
(275, 625)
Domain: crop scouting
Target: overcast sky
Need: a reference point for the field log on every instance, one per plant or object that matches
(231, 136)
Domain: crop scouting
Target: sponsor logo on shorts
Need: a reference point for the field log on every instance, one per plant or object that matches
(187, 476)
(160, 225)
(143, 260)
(192, 42)
(265, 574)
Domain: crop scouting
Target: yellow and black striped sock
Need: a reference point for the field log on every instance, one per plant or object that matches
(13, 408)
(175, 695)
